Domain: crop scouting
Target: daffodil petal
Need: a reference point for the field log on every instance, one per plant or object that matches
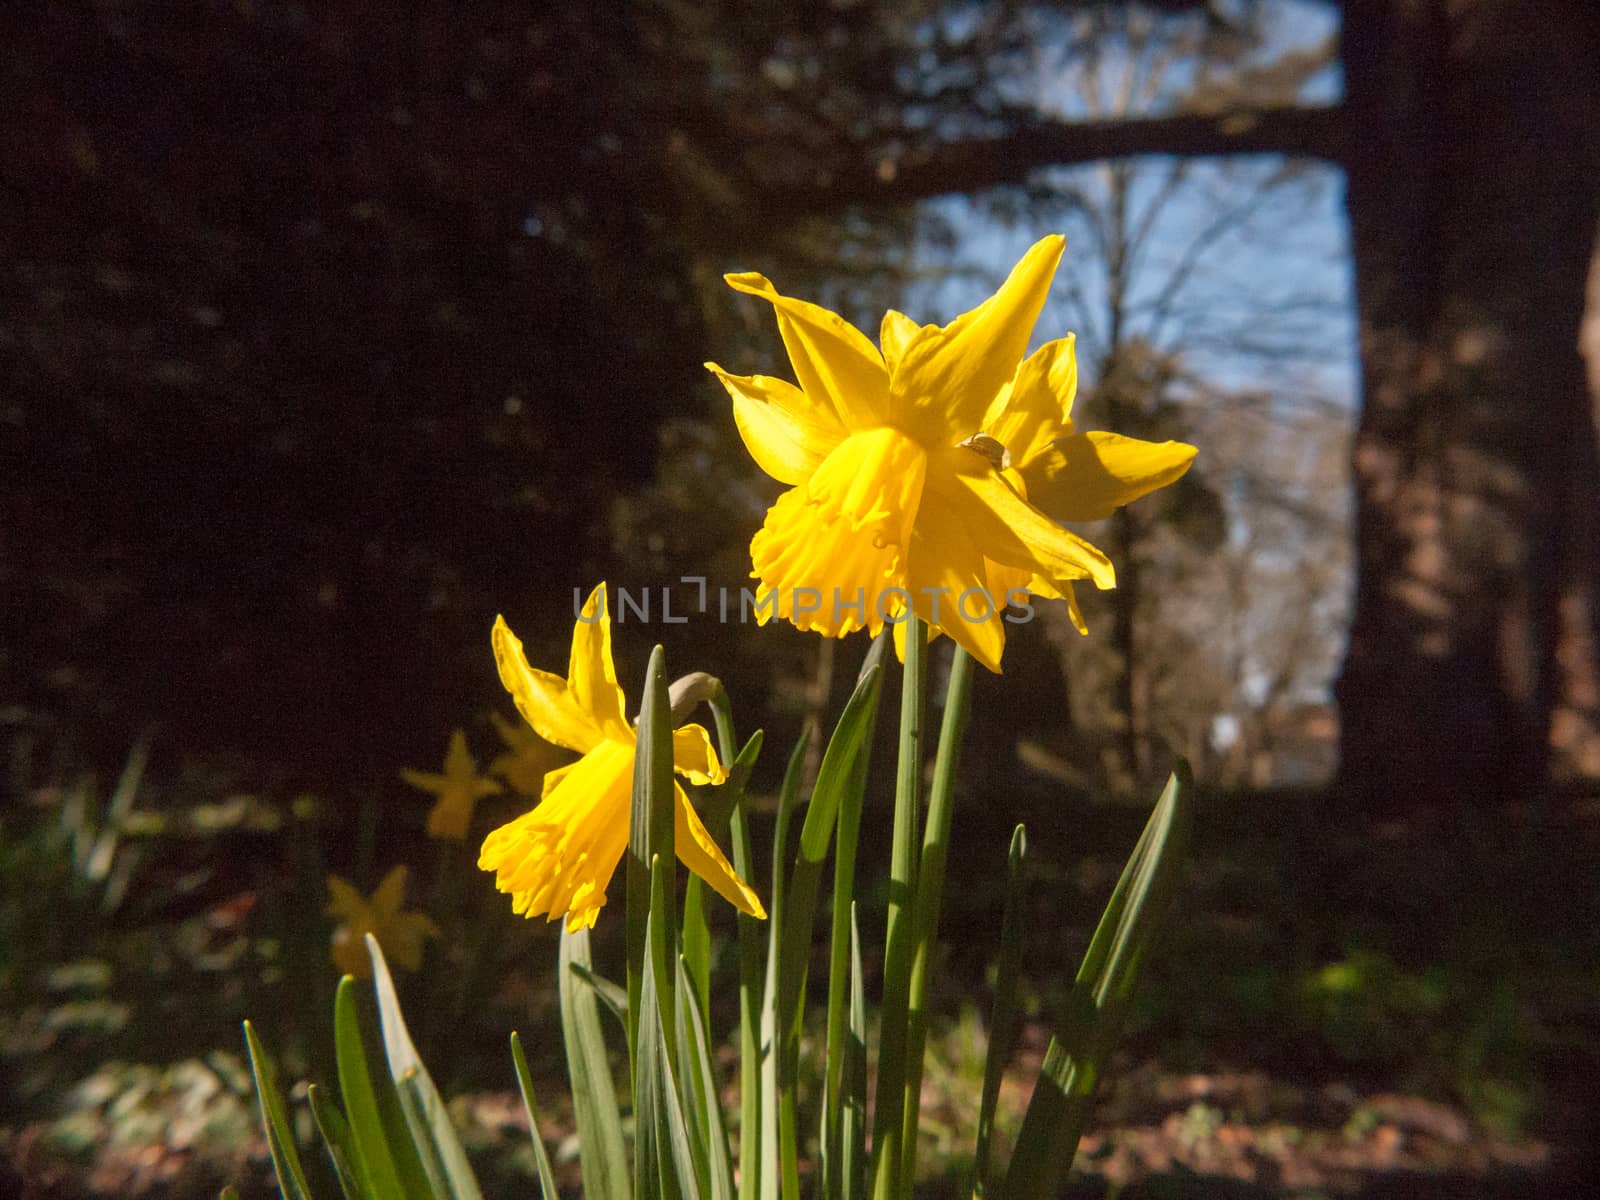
(591, 675)
(833, 360)
(558, 859)
(1060, 590)
(950, 583)
(697, 851)
(786, 432)
(831, 552)
(1035, 407)
(541, 697)
(946, 377)
(1010, 529)
(1088, 476)
(693, 756)
(345, 901)
(898, 332)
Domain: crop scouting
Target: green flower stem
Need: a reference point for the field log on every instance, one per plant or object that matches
(899, 943)
(749, 1019)
(930, 887)
(683, 694)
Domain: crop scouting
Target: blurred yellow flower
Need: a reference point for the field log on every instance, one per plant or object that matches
(557, 859)
(929, 478)
(526, 758)
(459, 789)
(401, 934)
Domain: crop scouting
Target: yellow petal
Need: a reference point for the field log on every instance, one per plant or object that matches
(1035, 408)
(946, 377)
(349, 952)
(831, 551)
(692, 755)
(345, 901)
(458, 761)
(950, 583)
(897, 333)
(541, 697)
(426, 780)
(591, 676)
(391, 894)
(402, 939)
(1088, 476)
(832, 359)
(1011, 530)
(697, 851)
(786, 432)
(450, 815)
(558, 859)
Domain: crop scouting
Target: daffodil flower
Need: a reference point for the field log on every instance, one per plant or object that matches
(928, 477)
(400, 933)
(557, 859)
(459, 789)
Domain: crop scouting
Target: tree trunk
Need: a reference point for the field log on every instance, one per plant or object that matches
(1474, 175)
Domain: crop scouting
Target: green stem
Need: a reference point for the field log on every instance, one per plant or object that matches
(749, 1019)
(899, 937)
(844, 892)
(930, 888)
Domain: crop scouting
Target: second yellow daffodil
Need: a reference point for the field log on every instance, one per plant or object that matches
(928, 477)
(557, 859)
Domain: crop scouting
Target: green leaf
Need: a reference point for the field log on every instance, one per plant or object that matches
(601, 1151)
(374, 1165)
(1003, 1018)
(541, 1157)
(853, 1083)
(702, 1105)
(836, 777)
(1059, 1106)
(650, 822)
(899, 941)
(280, 1137)
(929, 895)
(336, 1137)
(774, 1041)
(665, 1162)
(443, 1159)
(750, 993)
(612, 995)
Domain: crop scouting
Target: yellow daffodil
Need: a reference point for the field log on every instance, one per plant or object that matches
(459, 789)
(557, 859)
(401, 934)
(527, 756)
(928, 477)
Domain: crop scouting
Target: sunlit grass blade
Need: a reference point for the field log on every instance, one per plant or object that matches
(773, 1040)
(541, 1157)
(374, 1165)
(443, 1159)
(702, 1102)
(602, 1154)
(335, 1131)
(1059, 1107)
(280, 1134)
(900, 931)
(1003, 1018)
(930, 893)
(650, 824)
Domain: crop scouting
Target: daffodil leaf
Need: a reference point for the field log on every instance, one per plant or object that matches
(438, 1147)
(374, 1165)
(650, 829)
(613, 996)
(336, 1138)
(1059, 1107)
(702, 1105)
(601, 1152)
(280, 1135)
(541, 1157)
(853, 1082)
(665, 1158)
(1003, 1016)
